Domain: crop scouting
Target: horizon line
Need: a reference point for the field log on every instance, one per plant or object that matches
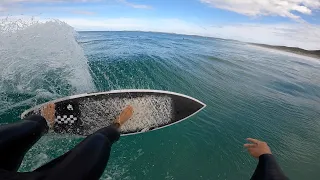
(193, 35)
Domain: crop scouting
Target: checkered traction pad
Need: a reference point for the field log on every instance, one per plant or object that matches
(65, 119)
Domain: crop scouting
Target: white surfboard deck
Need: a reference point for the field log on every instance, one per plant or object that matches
(83, 114)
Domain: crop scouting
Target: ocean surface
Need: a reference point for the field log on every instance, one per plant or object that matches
(249, 91)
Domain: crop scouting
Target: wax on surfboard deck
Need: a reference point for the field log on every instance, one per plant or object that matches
(153, 109)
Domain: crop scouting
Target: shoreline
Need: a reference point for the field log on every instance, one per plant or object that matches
(295, 50)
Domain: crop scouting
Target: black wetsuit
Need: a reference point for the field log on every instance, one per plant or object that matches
(268, 169)
(86, 161)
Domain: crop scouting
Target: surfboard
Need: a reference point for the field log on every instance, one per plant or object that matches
(153, 109)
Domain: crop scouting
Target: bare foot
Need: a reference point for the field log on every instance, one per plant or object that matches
(48, 112)
(124, 116)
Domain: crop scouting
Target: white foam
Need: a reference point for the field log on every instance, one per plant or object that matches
(149, 112)
(41, 55)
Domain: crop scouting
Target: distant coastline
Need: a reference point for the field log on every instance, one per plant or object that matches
(310, 53)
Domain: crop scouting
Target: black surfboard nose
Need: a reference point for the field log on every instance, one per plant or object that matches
(184, 107)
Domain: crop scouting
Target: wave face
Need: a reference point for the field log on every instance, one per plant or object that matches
(249, 91)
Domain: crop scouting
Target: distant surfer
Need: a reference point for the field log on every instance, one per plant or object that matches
(86, 161)
(267, 168)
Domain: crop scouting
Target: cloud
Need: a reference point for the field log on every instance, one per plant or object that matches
(7, 5)
(3, 9)
(284, 8)
(137, 6)
(295, 35)
(301, 35)
(42, 1)
(89, 13)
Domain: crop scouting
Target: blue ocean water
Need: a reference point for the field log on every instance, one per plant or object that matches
(249, 91)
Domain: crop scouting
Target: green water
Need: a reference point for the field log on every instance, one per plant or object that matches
(249, 92)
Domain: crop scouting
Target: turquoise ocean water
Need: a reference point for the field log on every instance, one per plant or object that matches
(249, 91)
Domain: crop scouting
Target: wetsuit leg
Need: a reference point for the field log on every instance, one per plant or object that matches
(86, 161)
(17, 138)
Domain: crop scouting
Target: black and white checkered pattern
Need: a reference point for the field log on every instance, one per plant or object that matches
(65, 119)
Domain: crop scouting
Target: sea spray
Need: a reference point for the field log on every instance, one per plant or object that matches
(40, 60)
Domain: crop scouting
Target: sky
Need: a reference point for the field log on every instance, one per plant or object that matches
(277, 22)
